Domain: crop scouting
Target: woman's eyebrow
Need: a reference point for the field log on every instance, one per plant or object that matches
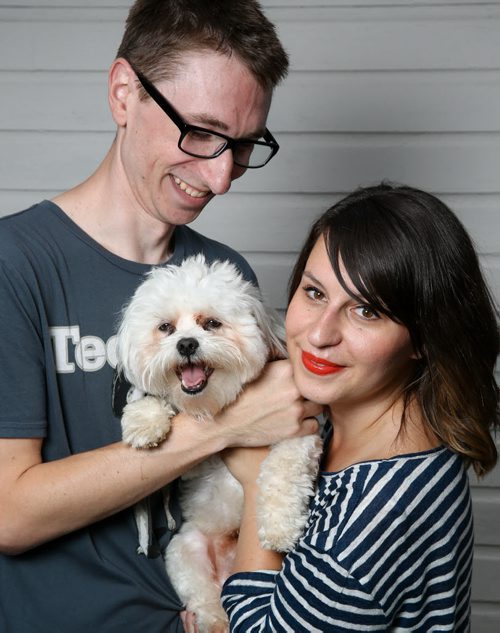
(311, 277)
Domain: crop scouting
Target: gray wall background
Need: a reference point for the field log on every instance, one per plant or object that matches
(403, 90)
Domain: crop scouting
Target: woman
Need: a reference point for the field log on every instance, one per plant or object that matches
(391, 327)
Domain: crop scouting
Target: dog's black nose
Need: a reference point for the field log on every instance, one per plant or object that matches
(187, 346)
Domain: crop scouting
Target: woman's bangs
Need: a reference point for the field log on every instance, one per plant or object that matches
(369, 271)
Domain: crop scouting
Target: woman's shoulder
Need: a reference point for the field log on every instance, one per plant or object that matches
(397, 483)
(393, 496)
(398, 466)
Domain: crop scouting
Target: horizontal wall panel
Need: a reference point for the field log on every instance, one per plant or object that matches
(486, 504)
(361, 43)
(59, 39)
(491, 266)
(387, 102)
(447, 163)
(485, 618)
(486, 574)
(317, 163)
(50, 160)
(273, 273)
(267, 4)
(55, 102)
(341, 3)
(98, 4)
(357, 102)
(359, 34)
(279, 222)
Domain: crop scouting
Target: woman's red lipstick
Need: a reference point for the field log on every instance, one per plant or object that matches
(319, 366)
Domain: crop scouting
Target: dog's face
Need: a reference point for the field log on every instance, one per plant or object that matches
(195, 334)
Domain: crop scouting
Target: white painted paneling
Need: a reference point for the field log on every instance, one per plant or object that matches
(400, 89)
(291, 214)
(486, 513)
(53, 101)
(416, 101)
(267, 4)
(322, 39)
(485, 617)
(485, 586)
(312, 163)
(440, 101)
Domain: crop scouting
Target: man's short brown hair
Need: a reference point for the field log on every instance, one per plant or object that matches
(159, 33)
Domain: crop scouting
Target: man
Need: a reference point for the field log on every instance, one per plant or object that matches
(190, 92)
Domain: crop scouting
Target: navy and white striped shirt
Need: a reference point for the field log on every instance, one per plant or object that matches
(387, 547)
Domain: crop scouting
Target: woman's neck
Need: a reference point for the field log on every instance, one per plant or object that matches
(365, 435)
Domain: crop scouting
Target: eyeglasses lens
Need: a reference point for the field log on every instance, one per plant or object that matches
(206, 145)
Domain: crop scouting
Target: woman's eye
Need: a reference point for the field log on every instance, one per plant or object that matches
(212, 324)
(313, 293)
(166, 328)
(367, 313)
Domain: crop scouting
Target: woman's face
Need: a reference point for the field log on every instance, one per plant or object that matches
(343, 353)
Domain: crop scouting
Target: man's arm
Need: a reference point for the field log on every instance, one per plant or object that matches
(41, 501)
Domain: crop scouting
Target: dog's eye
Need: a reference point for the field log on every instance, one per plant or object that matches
(168, 328)
(212, 324)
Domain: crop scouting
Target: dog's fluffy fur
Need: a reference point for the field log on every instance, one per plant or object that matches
(190, 339)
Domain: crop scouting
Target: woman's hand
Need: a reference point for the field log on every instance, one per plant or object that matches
(244, 463)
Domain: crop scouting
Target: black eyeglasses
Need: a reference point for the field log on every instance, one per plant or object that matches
(202, 143)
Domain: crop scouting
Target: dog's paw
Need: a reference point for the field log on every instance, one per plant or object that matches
(286, 483)
(146, 422)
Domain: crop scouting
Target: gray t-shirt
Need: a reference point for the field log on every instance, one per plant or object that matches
(61, 295)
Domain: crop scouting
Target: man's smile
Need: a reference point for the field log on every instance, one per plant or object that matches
(190, 190)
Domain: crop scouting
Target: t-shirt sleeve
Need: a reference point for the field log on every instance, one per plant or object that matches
(311, 593)
(22, 375)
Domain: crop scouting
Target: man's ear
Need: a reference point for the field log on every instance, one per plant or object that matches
(120, 87)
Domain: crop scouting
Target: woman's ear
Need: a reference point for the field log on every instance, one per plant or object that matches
(120, 87)
(416, 355)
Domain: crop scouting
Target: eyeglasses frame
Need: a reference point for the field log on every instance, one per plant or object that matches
(185, 128)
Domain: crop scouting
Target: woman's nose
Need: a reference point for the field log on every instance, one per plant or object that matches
(325, 330)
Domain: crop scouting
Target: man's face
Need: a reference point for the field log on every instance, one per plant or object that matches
(212, 91)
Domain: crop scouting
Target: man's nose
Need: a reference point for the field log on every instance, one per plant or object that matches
(219, 172)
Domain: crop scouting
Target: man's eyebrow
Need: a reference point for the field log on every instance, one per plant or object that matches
(206, 120)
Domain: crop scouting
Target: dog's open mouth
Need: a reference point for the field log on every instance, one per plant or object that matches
(194, 378)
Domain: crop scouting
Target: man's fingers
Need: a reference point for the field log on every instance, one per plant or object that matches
(188, 619)
(309, 426)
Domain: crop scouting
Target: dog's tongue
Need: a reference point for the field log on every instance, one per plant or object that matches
(192, 376)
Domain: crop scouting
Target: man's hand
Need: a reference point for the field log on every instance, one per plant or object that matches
(269, 410)
(188, 619)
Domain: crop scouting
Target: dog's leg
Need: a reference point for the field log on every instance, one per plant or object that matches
(192, 574)
(286, 484)
(143, 522)
(146, 422)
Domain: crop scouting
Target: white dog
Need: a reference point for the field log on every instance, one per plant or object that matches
(190, 339)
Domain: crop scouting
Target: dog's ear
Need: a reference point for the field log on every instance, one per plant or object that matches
(271, 325)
